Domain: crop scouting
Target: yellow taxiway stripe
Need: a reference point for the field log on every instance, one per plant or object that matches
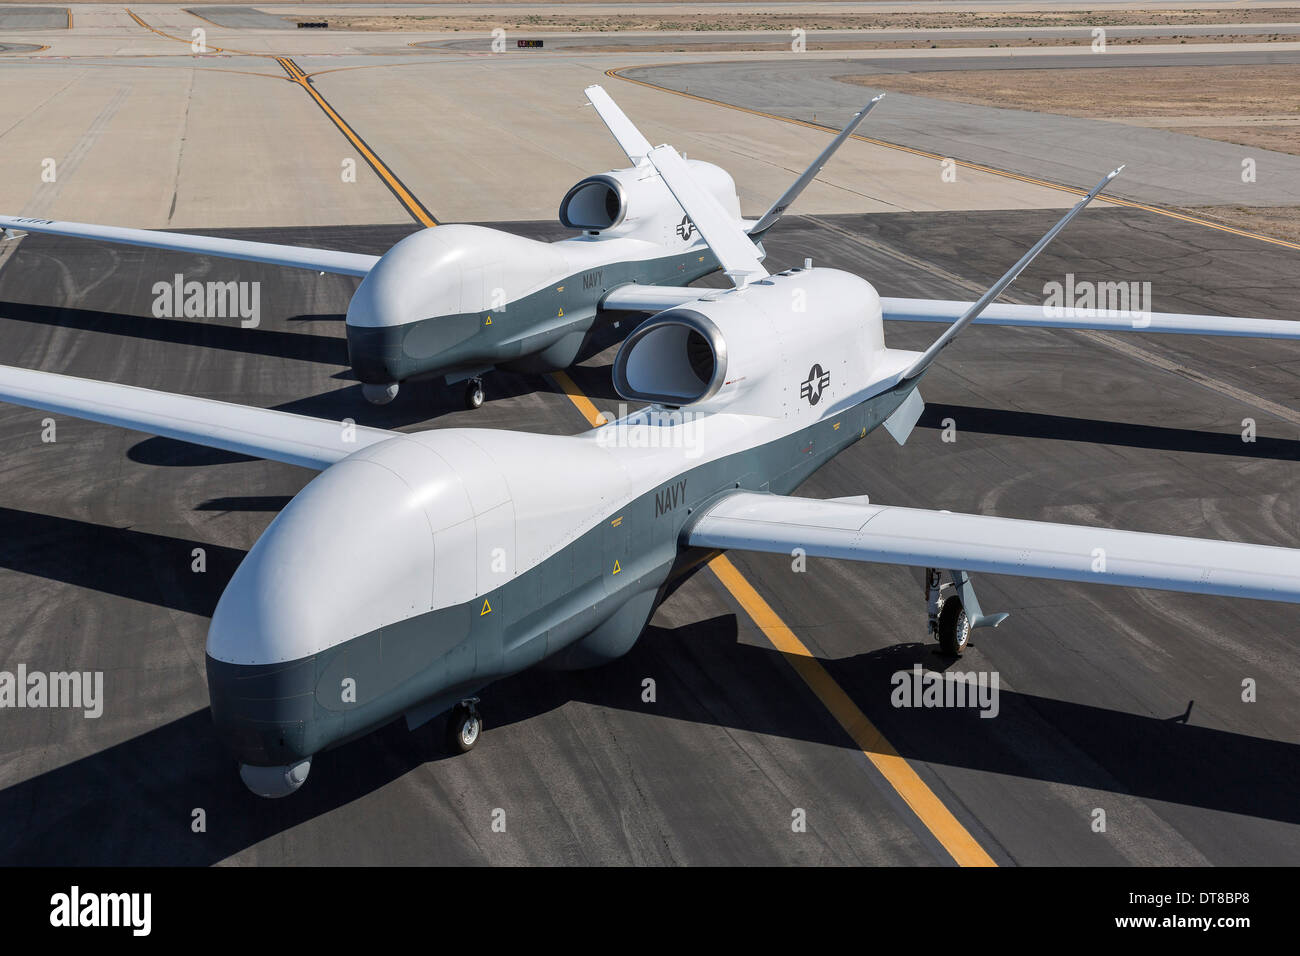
(208, 49)
(580, 401)
(404, 195)
(936, 817)
(979, 167)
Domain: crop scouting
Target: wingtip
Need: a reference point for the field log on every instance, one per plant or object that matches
(1117, 170)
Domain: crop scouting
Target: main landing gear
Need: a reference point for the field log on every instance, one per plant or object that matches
(953, 615)
(474, 393)
(464, 726)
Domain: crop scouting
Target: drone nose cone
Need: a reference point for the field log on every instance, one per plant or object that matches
(352, 548)
(351, 554)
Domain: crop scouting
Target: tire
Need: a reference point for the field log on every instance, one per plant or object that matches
(464, 728)
(954, 628)
(474, 395)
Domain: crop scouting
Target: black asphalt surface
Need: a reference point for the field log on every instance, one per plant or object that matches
(1125, 701)
(244, 18)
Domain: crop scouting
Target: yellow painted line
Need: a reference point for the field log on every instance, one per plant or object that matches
(936, 817)
(404, 195)
(584, 405)
(980, 167)
(208, 49)
(69, 9)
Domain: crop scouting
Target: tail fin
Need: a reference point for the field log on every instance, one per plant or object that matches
(969, 316)
(769, 218)
(629, 137)
(723, 233)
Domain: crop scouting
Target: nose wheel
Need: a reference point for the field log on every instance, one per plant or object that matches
(464, 726)
(474, 394)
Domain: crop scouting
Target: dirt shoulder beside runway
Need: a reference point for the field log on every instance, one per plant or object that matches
(1259, 106)
(732, 21)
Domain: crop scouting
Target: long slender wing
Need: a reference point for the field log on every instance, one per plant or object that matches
(995, 290)
(725, 236)
(296, 257)
(263, 433)
(1109, 320)
(979, 543)
(629, 137)
(769, 218)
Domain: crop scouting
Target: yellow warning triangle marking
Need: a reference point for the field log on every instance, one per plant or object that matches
(487, 608)
(561, 315)
(489, 321)
(616, 567)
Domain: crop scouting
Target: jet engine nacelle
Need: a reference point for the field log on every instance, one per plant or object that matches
(785, 345)
(636, 201)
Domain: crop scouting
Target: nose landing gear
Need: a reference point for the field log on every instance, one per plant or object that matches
(464, 726)
(474, 393)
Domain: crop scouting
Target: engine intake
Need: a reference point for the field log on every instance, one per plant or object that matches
(676, 358)
(596, 203)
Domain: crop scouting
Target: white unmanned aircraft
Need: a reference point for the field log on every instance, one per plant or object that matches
(416, 569)
(458, 300)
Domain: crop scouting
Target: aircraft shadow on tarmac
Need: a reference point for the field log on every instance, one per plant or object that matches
(1000, 421)
(224, 334)
(110, 560)
(130, 804)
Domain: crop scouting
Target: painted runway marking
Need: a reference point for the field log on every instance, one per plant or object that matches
(395, 185)
(929, 809)
(576, 395)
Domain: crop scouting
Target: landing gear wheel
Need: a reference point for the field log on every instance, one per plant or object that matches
(474, 394)
(954, 627)
(464, 726)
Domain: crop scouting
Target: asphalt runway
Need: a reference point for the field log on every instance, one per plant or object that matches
(33, 18)
(1163, 167)
(242, 18)
(1124, 701)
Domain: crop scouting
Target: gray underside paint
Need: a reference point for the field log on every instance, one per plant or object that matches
(540, 332)
(554, 612)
